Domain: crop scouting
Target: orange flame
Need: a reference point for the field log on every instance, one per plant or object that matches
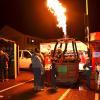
(58, 10)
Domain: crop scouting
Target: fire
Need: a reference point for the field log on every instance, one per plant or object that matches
(58, 10)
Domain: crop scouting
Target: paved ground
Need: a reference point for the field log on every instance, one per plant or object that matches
(23, 76)
(24, 91)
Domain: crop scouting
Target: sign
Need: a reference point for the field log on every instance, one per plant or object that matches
(62, 69)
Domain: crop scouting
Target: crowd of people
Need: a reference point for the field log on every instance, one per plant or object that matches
(38, 69)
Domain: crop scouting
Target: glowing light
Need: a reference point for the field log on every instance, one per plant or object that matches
(58, 10)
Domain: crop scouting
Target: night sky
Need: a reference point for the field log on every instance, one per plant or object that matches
(33, 18)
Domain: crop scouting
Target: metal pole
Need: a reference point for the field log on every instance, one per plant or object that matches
(87, 24)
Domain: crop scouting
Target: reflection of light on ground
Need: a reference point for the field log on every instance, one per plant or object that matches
(1, 96)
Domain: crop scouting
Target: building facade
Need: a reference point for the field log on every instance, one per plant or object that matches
(24, 41)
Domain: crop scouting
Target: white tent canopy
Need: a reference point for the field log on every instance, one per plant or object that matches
(46, 47)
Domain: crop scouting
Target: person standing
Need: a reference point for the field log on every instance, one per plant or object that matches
(87, 71)
(98, 76)
(53, 75)
(36, 68)
(41, 59)
(3, 65)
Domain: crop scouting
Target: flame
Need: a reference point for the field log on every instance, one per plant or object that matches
(58, 10)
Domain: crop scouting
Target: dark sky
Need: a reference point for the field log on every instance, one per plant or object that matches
(33, 18)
